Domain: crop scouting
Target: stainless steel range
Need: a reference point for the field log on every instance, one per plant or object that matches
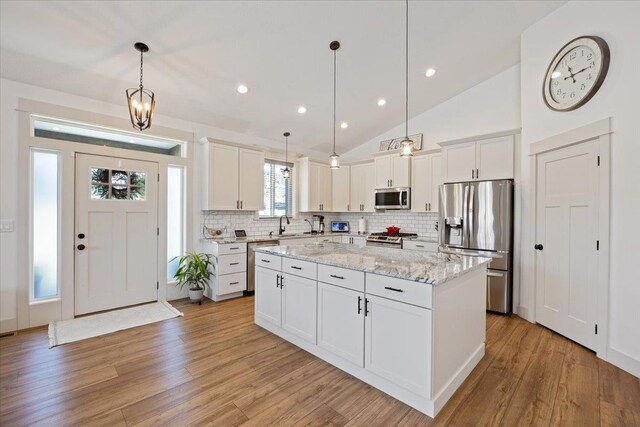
(389, 240)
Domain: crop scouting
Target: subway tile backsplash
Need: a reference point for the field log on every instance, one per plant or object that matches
(424, 224)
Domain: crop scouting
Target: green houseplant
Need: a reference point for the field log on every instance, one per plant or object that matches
(194, 270)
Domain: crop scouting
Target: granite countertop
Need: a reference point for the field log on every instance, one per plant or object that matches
(425, 267)
(275, 237)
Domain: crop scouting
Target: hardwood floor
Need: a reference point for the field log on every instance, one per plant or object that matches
(215, 367)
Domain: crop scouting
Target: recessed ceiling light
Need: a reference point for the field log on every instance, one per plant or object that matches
(556, 74)
(381, 102)
(243, 89)
(430, 72)
(56, 128)
(344, 125)
(302, 109)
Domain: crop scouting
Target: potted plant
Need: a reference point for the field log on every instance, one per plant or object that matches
(194, 270)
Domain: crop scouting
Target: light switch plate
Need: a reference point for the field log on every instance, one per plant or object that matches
(6, 226)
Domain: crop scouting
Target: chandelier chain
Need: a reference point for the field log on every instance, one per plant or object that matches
(141, 67)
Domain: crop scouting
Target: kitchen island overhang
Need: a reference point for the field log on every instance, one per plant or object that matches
(409, 323)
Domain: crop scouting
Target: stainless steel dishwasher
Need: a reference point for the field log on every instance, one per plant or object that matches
(251, 262)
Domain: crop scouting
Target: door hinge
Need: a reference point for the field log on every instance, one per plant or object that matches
(157, 285)
(598, 160)
(597, 245)
(596, 329)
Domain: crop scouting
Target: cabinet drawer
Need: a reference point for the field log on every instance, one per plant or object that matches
(274, 262)
(235, 263)
(230, 283)
(232, 248)
(350, 279)
(300, 268)
(420, 246)
(400, 290)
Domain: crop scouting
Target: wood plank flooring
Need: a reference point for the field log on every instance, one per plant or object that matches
(215, 367)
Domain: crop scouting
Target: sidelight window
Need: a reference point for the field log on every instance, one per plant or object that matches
(277, 194)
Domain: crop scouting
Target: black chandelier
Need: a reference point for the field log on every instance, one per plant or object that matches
(141, 101)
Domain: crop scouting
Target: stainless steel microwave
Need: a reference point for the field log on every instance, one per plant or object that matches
(393, 198)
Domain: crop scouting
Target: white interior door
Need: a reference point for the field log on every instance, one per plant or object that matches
(116, 237)
(567, 229)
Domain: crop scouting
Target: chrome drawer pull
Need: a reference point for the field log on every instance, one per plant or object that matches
(337, 277)
(393, 289)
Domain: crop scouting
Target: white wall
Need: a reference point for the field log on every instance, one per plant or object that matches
(619, 24)
(491, 106)
(10, 92)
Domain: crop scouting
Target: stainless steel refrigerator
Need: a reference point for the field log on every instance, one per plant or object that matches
(476, 218)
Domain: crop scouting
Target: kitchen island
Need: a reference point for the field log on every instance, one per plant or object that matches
(409, 323)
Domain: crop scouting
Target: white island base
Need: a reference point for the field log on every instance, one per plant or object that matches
(414, 341)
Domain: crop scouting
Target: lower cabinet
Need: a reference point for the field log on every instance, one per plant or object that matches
(299, 306)
(355, 240)
(287, 301)
(398, 343)
(341, 322)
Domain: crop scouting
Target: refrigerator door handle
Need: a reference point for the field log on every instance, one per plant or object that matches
(470, 218)
(493, 274)
(465, 219)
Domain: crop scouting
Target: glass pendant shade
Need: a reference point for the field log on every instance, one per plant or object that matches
(407, 148)
(286, 172)
(334, 163)
(141, 101)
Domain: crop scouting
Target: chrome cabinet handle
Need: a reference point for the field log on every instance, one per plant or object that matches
(336, 277)
(265, 260)
(393, 289)
(492, 274)
(240, 204)
(473, 174)
(477, 173)
(295, 267)
(359, 306)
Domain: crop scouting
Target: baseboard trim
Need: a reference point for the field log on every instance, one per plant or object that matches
(524, 313)
(623, 361)
(8, 326)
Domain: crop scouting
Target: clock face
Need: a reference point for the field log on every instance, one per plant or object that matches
(576, 73)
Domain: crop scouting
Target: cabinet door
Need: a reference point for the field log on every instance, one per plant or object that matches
(369, 188)
(314, 187)
(356, 187)
(299, 306)
(346, 240)
(251, 180)
(341, 190)
(420, 184)
(459, 162)
(494, 158)
(434, 179)
(398, 343)
(324, 187)
(223, 178)
(359, 241)
(340, 322)
(268, 295)
(383, 171)
(401, 176)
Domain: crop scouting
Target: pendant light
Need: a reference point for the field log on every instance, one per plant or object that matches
(141, 101)
(286, 172)
(407, 144)
(334, 46)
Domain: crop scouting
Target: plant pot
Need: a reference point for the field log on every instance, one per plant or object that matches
(195, 295)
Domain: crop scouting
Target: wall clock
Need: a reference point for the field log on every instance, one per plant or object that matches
(576, 73)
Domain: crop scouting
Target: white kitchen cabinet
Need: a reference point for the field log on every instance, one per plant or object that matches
(398, 343)
(230, 263)
(392, 171)
(363, 187)
(299, 306)
(315, 192)
(234, 179)
(355, 240)
(426, 178)
(341, 179)
(479, 160)
(268, 303)
(341, 322)
(418, 245)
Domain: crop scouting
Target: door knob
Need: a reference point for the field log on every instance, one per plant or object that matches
(538, 246)
(81, 247)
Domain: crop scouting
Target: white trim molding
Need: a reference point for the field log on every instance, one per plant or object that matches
(600, 131)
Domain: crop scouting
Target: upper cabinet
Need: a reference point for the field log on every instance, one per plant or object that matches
(315, 189)
(479, 160)
(426, 178)
(362, 188)
(341, 191)
(234, 179)
(392, 171)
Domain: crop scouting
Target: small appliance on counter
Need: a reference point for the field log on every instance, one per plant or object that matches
(340, 226)
(362, 226)
(318, 224)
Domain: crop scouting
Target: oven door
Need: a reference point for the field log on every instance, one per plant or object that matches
(393, 198)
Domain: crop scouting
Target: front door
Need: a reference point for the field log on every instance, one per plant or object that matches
(116, 233)
(566, 241)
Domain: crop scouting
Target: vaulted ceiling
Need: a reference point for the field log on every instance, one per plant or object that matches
(201, 51)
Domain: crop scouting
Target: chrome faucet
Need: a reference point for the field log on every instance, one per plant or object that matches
(282, 229)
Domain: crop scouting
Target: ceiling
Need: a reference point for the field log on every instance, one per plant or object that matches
(201, 51)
